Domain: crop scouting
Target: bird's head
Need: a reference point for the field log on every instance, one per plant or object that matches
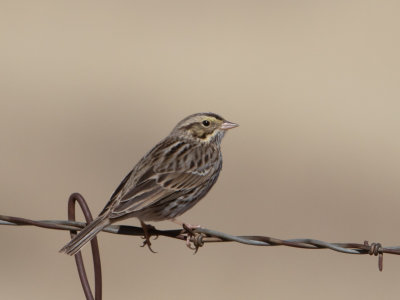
(203, 127)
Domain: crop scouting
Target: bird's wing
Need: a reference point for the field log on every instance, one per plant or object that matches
(168, 177)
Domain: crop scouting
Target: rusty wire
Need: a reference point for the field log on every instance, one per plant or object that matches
(198, 237)
(95, 250)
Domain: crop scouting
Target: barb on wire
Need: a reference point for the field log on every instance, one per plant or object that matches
(198, 237)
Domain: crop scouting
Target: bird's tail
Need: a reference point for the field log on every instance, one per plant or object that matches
(85, 235)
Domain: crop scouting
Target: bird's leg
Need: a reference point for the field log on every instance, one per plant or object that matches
(176, 221)
(189, 229)
(147, 235)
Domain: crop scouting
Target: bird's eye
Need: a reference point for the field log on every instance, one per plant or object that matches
(206, 123)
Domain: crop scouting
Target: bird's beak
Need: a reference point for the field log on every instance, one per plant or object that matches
(228, 125)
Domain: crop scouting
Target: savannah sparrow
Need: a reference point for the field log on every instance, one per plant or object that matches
(168, 180)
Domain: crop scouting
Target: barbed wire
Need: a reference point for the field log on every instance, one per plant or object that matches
(197, 237)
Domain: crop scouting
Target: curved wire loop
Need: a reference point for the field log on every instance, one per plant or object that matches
(76, 197)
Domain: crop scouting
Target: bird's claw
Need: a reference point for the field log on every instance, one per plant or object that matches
(193, 237)
(147, 235)
(147, 243)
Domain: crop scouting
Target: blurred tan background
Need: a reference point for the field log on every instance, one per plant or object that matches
(88, 87)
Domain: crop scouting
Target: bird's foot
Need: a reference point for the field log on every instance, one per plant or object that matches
(190, 234)
(146, 228)
(189, 229)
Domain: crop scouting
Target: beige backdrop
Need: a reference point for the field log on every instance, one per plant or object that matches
(88, 87)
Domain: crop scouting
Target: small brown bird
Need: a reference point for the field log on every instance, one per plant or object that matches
(168, 180)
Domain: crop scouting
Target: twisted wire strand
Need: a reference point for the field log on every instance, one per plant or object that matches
(209, 236)
(202, 236)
